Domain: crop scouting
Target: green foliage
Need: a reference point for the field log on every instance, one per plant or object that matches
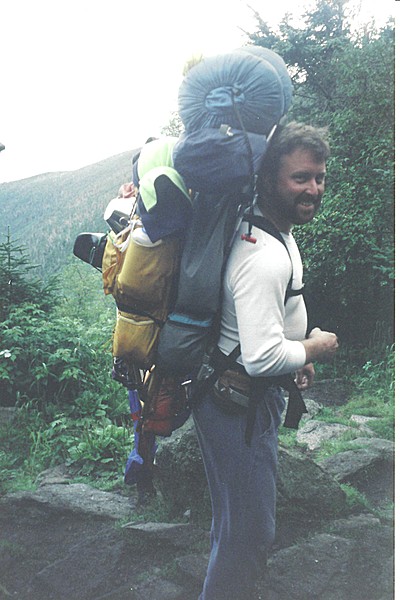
(372, 396)
(90, 444)
(49, 360)
(378, 375)
(174, 127)
(55, 366)
(18, 283)
(355, 500)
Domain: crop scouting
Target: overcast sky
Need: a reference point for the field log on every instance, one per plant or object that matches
(82, 80)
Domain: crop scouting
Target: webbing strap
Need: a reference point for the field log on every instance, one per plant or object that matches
(295, 408)
(268, 227)
(220, 363)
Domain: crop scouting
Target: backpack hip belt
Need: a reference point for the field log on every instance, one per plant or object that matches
(256, 387)
(232, 390)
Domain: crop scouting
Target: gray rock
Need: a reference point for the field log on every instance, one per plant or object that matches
(313, 433)
(305, 488)
(193, 565)
(55, 580)
(354, 561)
(180, 473)
(313, 408)
(58, 474)
(362, 423)
(66, 537)
(330, 392)
(384, 447)
(180, 535)
(159, 589)
(76, 497)
(369, 467)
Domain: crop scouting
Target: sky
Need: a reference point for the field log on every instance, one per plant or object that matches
(83, 80)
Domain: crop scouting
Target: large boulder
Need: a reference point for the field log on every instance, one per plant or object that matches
(368, 465)
(314, 433)
(353, 561)
(180, 475)
(303, 486)
(77, 498)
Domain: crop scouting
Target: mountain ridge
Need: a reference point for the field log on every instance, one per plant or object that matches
(46, 212)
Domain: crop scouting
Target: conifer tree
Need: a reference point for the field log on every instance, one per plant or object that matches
(18, 283)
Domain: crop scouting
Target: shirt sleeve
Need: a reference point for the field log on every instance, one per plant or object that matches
(257, 284)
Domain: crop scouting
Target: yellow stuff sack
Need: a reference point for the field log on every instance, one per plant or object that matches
(147, 274)
(135, 339)
(113, 259)
(142, 278)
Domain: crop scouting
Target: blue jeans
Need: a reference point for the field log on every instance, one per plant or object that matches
(242, 484)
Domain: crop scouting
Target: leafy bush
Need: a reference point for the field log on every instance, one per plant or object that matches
(55, 368)
(50, 360)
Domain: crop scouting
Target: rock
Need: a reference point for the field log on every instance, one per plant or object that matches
(362, 423)
(305, 488)
(313, 433)
(180, 535)
(193, 565)
(180, 473)
(58, 474)
(76, 497)
(330, 392)
(385, 447)
(75, 566)
(369, 467)
(74, 555)
(158, 589)
(62, 541)
(313, 408)
(354, 561)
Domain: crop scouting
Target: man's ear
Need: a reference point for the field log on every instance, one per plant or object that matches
(265, 183)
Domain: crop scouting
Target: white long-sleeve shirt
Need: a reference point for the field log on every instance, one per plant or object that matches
(253, 308)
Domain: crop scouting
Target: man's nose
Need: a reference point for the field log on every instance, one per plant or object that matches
(312, 187)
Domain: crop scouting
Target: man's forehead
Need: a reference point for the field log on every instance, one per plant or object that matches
(302, 159)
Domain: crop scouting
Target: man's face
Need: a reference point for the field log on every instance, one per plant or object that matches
(297, 193)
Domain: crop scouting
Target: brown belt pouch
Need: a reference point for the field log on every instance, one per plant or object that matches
(232, 391)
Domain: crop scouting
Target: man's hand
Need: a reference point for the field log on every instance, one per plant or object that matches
(305, 376)
(320, 346)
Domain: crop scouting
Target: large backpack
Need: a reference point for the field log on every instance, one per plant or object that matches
(165, 269)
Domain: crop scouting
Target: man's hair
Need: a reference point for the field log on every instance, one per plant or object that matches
(290, 137)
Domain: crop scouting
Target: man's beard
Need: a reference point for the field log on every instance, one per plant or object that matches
(292, 210)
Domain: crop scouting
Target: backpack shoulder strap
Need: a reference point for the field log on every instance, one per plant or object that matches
(271, 229)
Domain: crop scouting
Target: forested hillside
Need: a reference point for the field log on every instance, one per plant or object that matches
(46, 212)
